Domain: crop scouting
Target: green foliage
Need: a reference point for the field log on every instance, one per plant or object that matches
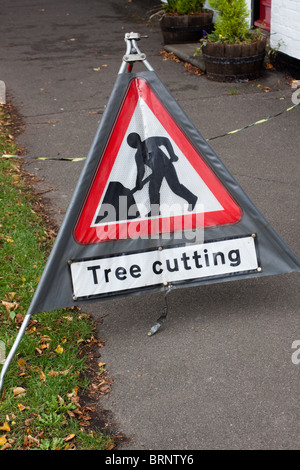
(7, 144)
(231, 23)
(48, 444)
(48, 368)
(183, 7)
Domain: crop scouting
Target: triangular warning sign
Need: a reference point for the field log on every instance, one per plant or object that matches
(99, 254)
(150, 172)
(150, 177)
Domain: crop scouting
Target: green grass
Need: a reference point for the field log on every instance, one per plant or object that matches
(40, 404)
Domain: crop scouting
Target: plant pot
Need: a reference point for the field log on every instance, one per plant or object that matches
(178, 29)
(234, 62)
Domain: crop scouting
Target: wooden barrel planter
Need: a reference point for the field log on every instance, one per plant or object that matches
(178, 29)
(234, 62)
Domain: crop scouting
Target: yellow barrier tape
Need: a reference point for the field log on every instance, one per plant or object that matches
(65, 159)
(79, 159)
(261, 121)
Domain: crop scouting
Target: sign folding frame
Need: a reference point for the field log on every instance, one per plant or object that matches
(82, 268)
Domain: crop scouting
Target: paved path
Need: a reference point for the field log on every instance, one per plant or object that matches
(219, 374)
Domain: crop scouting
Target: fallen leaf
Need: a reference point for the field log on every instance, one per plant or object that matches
(19, 318)
(53, 373)
(42, 375)
(69, 437)
(34, 440)
(18, 391)
(3, 440)
(21, 407)
(103, 382)
(69, 318)
(11, 295)
(60, 400)
(96, 69)
(59, 349)
(28, 421)
(6, 446)
(9, 305)
(5, 427)
(70, 446)
(44, 339)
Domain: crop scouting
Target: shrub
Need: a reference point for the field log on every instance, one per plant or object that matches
(182, 7)
(231, 23)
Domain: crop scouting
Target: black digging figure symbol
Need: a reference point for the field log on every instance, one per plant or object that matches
(149, 153)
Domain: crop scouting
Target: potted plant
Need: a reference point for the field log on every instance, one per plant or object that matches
(184, 20)
(233, 52)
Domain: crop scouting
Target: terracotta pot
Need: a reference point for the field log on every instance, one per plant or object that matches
(234, 62)
(178, 29)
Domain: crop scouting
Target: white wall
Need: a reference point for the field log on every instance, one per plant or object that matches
(285, 26)
(249, 6)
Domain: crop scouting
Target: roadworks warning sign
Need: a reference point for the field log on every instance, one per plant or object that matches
(119, 236)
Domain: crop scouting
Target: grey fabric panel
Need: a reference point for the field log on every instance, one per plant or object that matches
(55, 287)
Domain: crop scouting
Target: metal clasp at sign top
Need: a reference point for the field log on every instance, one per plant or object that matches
(133, 53)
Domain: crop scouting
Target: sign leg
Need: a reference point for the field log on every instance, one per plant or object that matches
(14, 347)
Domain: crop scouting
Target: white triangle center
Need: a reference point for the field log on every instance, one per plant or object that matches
(124, 171)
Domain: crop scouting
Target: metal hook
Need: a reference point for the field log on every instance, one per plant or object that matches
(163, 317)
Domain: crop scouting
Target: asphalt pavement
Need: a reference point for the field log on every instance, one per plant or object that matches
(220, 373)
